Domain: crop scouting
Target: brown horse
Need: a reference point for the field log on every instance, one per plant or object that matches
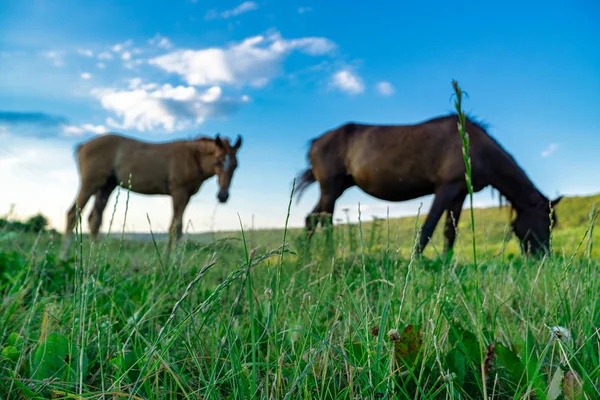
(175, 168)
(403, 162)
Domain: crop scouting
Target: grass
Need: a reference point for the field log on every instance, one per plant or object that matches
(232, 319)
(264, 314)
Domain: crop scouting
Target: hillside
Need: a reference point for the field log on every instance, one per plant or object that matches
(491, 226)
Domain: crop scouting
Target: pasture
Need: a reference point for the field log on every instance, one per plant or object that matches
(354, 313)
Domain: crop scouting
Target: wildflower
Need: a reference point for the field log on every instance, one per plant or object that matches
(489, 358)
(375, 330)
(268, 293)
(306, 298)
(561, 333)
(393, 335)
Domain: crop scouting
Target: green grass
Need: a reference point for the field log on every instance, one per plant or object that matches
(235, 318)
(353, 314)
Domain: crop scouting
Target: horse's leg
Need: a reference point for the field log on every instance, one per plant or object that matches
(311, 221)
(102, 196)
(452, 217)
(331, 190)
(85, 192)
(444, 196)
(180, 201)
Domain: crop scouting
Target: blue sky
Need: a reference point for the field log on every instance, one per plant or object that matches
(281, 73)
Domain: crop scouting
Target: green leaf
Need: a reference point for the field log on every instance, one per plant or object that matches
(511, 362)
(457, 364)
(11, 353)
(532, 364)
(467, 343)
(14, 339)
(51, 356)
(126, 364)
(555, 388)
(53, 359)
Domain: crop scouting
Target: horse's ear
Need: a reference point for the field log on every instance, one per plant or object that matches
(238, 143)
(554, 202)
(218, 141)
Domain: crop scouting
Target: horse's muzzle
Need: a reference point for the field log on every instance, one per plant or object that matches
(222, 197)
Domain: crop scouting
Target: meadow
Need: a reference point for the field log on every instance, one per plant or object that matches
(352, 314)
(265, 314)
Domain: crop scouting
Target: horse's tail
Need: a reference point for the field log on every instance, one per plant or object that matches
(305, 180)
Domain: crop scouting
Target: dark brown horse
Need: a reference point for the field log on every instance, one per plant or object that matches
(175, 168)
(403, 162)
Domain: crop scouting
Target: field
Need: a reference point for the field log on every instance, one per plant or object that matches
(266, 314)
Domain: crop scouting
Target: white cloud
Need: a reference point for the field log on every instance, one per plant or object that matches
(131, 64)
(347, 81)
(119, 47)
(245, 7)
(551, 149)
(126, 55)
(254, 61)
(304, 10)
(85, 52)
(56, 57)
(77, 130)
(101, 65)
(86, 75)
(35, 167)
(385, 88)
(144, 107)
(161, 42)
(105, 55)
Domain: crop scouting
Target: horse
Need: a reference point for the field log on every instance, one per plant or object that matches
(403, 162)
(177, 168)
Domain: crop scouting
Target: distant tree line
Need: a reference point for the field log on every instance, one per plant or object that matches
(36, 224)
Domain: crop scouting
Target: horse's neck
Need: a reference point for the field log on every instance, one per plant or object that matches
(204, 147)
(204, 151)
(513, 183)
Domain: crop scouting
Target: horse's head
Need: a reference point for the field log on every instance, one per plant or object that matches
(225, 165)
(532, 227)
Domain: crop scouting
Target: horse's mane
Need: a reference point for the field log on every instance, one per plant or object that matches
(484, 126)
(202, 138)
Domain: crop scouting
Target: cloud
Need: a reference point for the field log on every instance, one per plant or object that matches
(254, 61)
(105, 55)
(385, 88)
(304, 10)
(101, 65)
(38, 167)
(160, 42)
(347, 81)
(78, 130)
(245, 7)
(56, 57)
(85, 52)
(126, 55)
(120, 47)
(551, 149)
(86, 75)
(150, 106)
(30, 118)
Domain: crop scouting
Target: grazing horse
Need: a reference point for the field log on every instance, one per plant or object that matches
(403, 162)
(175, 168)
